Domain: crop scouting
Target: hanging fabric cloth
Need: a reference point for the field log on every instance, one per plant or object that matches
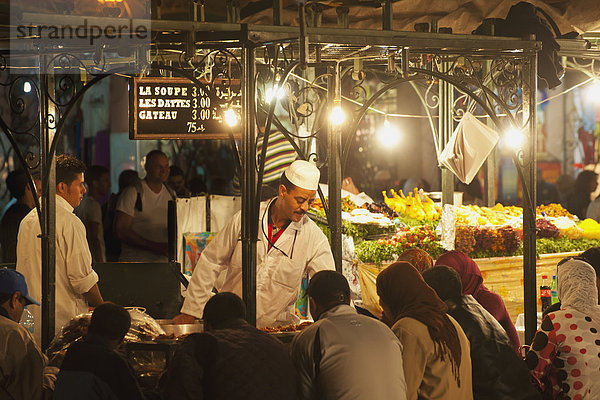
(470, 144)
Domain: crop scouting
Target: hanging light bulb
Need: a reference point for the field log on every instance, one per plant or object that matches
(593, 91)
(270, 94)
(388, 135)
(231, 117)
(337, 116)
(514, 138)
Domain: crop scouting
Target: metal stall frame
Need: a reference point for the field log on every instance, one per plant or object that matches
(313, 64)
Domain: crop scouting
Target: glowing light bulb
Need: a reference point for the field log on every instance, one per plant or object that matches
(337, 116)
(514, 138)
(270, 94)
(27, 87)
(231, 117)
(593, 91)
(388, 135)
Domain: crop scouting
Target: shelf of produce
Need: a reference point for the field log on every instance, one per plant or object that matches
(502, 275)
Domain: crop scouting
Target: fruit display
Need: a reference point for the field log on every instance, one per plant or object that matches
(389, 249)
(590, 229)
(498, 215)
(404, 222)
(364, 216)
(553, 210)
(545, 228)
(347, 204)
(412, 205)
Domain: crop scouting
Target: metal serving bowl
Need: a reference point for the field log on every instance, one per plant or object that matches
(180, 329)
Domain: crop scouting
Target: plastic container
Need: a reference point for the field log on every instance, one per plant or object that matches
(27, 320)
(553, 291)
(545, 293)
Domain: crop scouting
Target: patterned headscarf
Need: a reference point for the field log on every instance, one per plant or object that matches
(402, 288)
(576, 286)
(418, 258)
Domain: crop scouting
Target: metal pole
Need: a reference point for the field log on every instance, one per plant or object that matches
(529, 154)
(446, 103)
(48, 210)
(387, 15)
(334, 144)
(249, 207)
(277, 12)
(489, 195)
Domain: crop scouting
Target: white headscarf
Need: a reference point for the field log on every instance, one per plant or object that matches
(576, 284)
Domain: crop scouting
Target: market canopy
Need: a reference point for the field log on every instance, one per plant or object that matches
(463, 16)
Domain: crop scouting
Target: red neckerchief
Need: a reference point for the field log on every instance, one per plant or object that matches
(273, 239)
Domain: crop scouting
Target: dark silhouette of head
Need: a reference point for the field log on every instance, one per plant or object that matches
(221, 309)
(326, 290)
(110, 321)
(444, 280)
(16, 182)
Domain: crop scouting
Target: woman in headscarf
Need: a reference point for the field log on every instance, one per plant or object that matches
(418, 258)
(472, 283)
(564, 355)
(435, 348)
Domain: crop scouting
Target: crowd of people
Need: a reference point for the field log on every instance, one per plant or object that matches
(442, 335)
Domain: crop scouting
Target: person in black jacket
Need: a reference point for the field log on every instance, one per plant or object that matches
(498, 373)
(232, 360)
(92, 369)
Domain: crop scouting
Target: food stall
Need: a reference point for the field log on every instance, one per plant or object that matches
(315, 66)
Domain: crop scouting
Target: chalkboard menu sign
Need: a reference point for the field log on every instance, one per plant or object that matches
(175, 108)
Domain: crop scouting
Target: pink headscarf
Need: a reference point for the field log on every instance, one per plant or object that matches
(472, 283)
(470, 275)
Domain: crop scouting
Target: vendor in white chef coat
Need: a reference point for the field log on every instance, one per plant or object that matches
(289, 244)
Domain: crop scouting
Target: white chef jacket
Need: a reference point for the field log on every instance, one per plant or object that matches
(278, 275)
(357, 358)
(74, 273)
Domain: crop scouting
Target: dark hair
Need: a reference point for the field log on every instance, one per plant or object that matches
(223, 307)
(154, 153)
(16, 182)
(328, 289)
(583, 180)
(592, 257)
(175, 171)
(444, 280)
(67, 168)
(127, 178)
(110, 321)
(197, 186)
(289, 186)
(95, 172)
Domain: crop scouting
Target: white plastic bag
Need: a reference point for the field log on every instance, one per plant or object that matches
(470, 144)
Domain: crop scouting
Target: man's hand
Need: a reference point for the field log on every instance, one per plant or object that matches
(184, 319)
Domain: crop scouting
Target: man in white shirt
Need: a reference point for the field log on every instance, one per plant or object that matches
(290, 244)
(345, 355)
(90, 211)
(76, 281)
(141, 218)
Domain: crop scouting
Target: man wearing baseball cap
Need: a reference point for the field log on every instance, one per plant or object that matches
(289, 244)
(21, 361)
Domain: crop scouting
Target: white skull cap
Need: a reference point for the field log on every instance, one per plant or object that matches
(303, 174)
